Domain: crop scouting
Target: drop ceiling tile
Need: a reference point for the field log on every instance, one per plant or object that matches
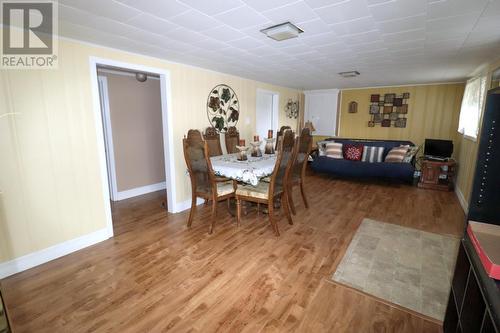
(398, 9)
(343, 11)
(403, 24)
(246, 43)
(405, 45)
(322, 3)
(263, 5)
(463, 23)
(405, 36)
(295, 13)
(492, 9)
(444, 35)
(195, 20)
(151, 23)
(212, 7)
(376, 45)
(184, 35)
(223, 33)
(314, 27)
(210, 43)
(362, 24)
(320, 39)
(161, 8)
(242, 17)
(454, 7)
(364, 37)
(488, 23)
(110, 9)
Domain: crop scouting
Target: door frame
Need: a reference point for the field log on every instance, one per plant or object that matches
(276, 105)
(166, 106)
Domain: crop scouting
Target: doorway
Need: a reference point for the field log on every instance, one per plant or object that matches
(267, 106)
(103, 137)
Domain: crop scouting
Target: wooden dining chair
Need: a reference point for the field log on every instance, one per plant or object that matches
(266, 193)
(213, 141)
(298, 169)
(204, 183)
(280, 134)
(232, 137)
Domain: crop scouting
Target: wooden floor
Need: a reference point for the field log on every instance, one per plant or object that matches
(156, 275)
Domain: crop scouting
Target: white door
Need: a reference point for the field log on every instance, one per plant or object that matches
(266, 113)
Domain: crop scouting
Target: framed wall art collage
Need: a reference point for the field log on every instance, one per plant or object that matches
(388, 110)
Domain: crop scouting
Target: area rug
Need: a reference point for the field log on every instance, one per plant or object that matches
(404, 266)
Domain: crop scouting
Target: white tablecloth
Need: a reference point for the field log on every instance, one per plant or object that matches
(249, 171)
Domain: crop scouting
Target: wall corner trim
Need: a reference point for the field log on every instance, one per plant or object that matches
(53, 252)
(461, 199)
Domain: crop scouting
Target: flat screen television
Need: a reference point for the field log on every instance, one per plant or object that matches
(438, 148)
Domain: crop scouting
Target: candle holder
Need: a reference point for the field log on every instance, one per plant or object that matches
(269, 148)
(256, 152)
(242, 155)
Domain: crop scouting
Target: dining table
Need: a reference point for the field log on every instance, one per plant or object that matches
(249, 171)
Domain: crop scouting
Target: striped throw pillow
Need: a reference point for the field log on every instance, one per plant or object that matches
(334, 150)
(397, 154)
(373, 154)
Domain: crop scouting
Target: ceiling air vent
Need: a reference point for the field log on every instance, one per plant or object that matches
(349, 74)
(282, 31)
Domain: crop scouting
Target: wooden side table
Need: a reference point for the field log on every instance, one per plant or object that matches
(438, 175)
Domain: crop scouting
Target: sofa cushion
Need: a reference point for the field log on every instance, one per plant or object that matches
(397, 154)
(321, 147)
(353, 152)
(410, 154)
(373, 154)
(334, 150)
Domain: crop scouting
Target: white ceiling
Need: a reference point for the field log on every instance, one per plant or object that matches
(389, 42)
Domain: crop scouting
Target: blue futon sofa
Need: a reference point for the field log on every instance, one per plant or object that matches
(346, 168)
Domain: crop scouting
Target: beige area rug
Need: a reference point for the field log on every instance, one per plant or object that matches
(405, 266)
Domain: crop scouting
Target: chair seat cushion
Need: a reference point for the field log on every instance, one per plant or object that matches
(225, 188)
(260, 191)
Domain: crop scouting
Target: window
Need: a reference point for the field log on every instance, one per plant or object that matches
(472, 104)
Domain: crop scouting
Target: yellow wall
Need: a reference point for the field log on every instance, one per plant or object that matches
(467, 156)
(49, 170)
(433, 112)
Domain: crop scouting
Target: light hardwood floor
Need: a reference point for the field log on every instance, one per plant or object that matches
(156, 275)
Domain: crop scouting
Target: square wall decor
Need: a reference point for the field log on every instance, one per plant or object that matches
(401, 123)
(374, 108)
(388, 110)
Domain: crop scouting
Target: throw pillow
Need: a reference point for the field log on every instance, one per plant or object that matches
(412, 151)
(396, 154)
(373, 154)
(353, 152)
(334, 150)
(322, 147)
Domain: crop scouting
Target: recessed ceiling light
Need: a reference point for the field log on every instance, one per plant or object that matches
(282, 31)
(349, 74)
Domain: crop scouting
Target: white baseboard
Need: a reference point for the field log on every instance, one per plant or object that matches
(182, 206)
(140, 191)
(40, 257)
(461, 199)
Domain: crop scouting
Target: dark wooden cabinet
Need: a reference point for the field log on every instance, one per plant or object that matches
(437, 175)
(474, 302)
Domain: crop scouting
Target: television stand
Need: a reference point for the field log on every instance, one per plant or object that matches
(437, 175)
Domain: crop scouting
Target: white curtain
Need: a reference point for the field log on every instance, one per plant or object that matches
(472, 104)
